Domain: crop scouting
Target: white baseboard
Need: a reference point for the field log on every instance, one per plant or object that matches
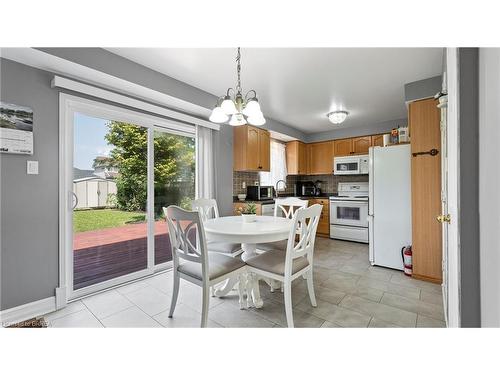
(28, 311)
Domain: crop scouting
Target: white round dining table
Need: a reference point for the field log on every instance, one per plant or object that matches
(232, 229)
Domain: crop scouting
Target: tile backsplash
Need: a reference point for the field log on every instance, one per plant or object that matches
(329, 182)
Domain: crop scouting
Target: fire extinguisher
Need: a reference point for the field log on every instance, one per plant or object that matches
(406, 255)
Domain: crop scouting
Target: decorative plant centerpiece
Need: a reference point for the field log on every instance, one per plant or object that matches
(248, 212)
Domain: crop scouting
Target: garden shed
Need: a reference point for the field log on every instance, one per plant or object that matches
(94, 192)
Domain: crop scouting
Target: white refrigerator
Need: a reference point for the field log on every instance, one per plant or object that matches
(389, 207)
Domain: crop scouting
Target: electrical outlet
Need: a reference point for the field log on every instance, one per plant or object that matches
(32, 167)
(243, 185)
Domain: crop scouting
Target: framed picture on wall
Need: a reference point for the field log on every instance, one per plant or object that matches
(16, 129)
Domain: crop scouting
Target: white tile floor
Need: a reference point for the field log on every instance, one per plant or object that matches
(349, 292)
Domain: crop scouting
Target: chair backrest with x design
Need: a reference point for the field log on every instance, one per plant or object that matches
(187, 237)
(288, 206)
(206, 207)
(305, 223)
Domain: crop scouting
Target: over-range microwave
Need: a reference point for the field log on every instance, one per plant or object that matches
(343, 165)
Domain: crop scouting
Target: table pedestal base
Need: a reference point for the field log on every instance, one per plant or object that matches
(247, 283)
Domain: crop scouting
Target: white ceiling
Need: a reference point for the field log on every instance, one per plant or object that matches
(298, 86)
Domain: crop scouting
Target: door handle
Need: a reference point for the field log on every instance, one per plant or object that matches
(76, 200)
(444, 218)
(432, 152)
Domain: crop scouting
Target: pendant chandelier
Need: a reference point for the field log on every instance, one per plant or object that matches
(235, 107)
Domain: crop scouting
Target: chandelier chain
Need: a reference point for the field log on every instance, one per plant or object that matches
(238, 70)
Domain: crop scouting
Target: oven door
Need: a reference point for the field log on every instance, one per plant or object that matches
(350, 213)
(345, 166)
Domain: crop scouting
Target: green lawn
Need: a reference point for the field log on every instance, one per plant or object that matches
(86, 220)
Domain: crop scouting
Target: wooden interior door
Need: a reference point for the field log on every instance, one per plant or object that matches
(321, 158)
(424, 118)
(342, 147)
(360, 145)
(264, 153)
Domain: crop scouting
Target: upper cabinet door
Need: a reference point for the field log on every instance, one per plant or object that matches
(321, 158)
(296, 158)
(342, 147)
(360, 145)
(264, 151)
(378, 140)
(253, 149)
(303, 158)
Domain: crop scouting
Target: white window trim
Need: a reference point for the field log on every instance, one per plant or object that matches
(68, 106)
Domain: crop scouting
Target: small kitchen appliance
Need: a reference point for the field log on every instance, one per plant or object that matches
(259, 193)
(305, 189)
(349, 165)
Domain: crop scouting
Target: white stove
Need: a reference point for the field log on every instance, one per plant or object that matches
(349, 212)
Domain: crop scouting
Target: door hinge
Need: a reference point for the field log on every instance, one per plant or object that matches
(444, 218)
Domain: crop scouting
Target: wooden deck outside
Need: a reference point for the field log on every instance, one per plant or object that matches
(101, 262)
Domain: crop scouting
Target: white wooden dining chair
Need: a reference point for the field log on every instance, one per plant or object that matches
(285, 207)
(193, 262)
(297, 260)
(208, 210)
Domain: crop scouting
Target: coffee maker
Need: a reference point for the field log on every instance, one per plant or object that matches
(307, 189)
(304, 189)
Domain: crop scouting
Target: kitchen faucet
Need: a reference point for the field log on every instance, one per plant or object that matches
(276, 186)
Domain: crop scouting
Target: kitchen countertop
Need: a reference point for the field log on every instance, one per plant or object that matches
(271, 201)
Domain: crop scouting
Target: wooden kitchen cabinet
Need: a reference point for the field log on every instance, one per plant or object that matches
(342, 147)
(360, 145)
(324, 220)
(251, 149)
(352, 146)
(296, 158)
(320, 158)
(424, 119)
(378, 140)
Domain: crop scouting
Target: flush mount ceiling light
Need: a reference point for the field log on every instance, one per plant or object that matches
(235, 107)
(337, 117)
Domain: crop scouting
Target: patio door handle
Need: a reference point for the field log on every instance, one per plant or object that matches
(76, 200)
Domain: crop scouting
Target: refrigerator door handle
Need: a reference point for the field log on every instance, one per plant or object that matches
(371, 244)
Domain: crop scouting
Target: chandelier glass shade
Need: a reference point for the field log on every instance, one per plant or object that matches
(337, 117)
(235, 107)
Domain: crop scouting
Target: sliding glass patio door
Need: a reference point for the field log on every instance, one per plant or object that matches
(174, 182)
(110, 190)
(122, 169)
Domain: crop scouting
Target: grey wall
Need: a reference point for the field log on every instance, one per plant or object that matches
(381, 127)
(29, 203)
(470, 304)
(422, 89)
(489, 184)
(224, 169)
